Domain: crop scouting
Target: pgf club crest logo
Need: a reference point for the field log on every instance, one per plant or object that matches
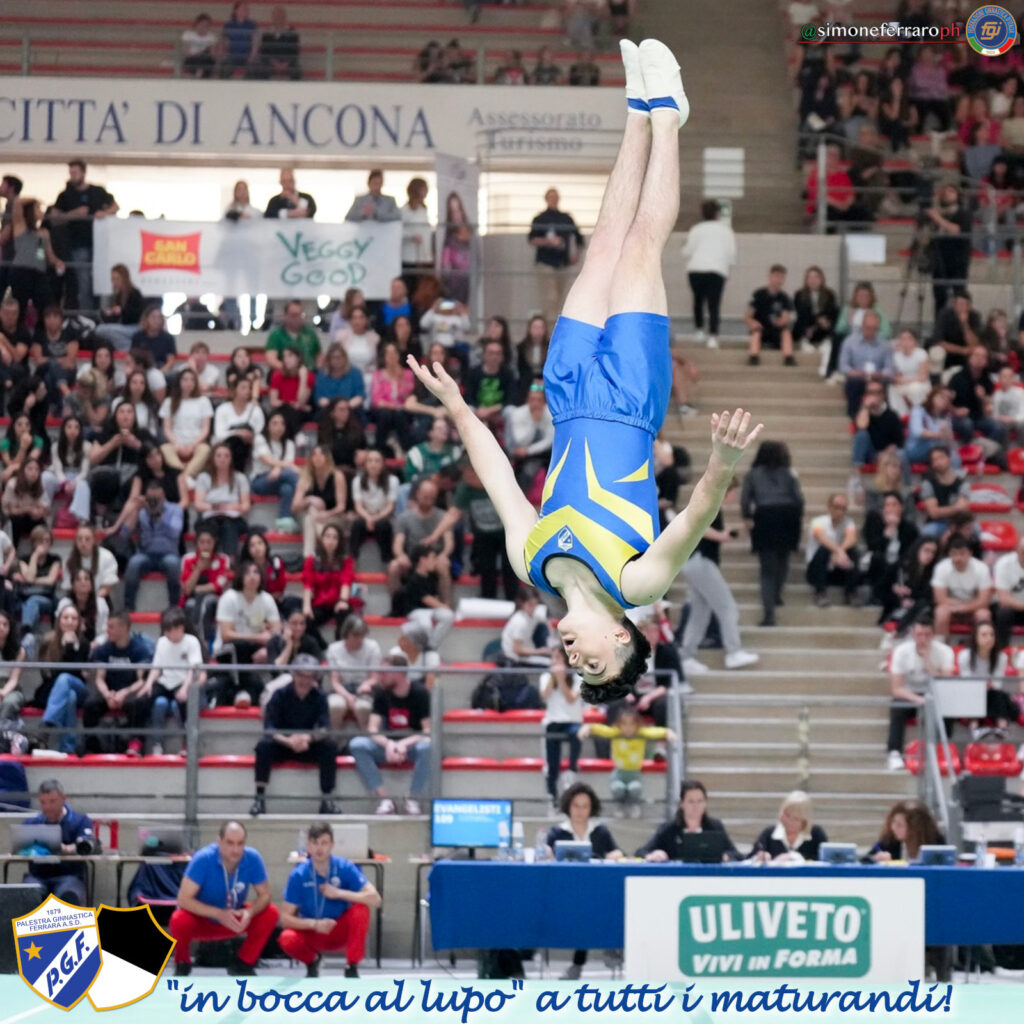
(113, 956)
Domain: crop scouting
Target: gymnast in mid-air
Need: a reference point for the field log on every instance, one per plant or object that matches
(607, 380)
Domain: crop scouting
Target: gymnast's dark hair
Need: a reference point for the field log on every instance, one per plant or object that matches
(633, 667)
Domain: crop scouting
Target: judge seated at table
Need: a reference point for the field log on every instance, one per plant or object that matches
(692, 835)
(794, 838)
(66, 881)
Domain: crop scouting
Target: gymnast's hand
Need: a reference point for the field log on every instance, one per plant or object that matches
(731, 436)
(438, 383)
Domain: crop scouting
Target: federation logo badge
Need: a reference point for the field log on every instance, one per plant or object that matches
(58, 950)
(991, 30)
(565, 539)
(135, 951)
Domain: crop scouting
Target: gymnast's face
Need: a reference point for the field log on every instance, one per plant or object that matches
(595, 644)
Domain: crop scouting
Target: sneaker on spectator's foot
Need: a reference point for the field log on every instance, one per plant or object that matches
(351, 971)
(712, 342)
(566, 779)
(287, 525)
(571, 973)
(768, 620)
(700, 337)
(685, 409)
(741, 659)
(313, 967)
(243, 699)
(753, 360)
(328, 806)
(821, 599)
(386, 806)
(258, 806)
(619, 810)
(157, 750)
(182, 970)
(789, 361)
(895, 762)
(693, 667)
(134, 748)
(612, 958)
(686, 689)
(239, 968)
(412, 806)
(806, 346)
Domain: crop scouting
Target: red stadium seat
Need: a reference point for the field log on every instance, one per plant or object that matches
(990, 498)
(971, 454)
(913, 758)
(992, 759)
(997, 535)
(1015, 461)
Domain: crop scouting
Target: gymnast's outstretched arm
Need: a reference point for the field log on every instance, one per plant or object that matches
(647, 578)
(489, 460)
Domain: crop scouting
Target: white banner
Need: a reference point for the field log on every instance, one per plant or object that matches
(280, 258)
(95, 117)
(777, 925)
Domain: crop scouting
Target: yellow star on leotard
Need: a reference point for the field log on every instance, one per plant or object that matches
(34, 951)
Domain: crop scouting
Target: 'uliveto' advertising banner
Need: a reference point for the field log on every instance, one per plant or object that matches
(279, 258)
(117, 118)
(780, 926)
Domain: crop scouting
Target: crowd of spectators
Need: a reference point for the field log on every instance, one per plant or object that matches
(241, 48)
(453, 65)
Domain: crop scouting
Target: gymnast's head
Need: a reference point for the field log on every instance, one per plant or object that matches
(609, 654)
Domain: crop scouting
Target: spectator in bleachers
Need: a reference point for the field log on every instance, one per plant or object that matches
(239, 421)
(59, 343)
(256, 549)
(206, 372)
(1002, 349)
(274, 459)
(772, 505)
(19, 444)
(12, 650)
(391, 386)
(36, 578)
(709, 253)
(290, 203)
(513, 71)
(118, 690)
(979, 127)
(59, 693)
(691, 816)
(322, 495)
(78, 206)
(199, 48)
(361, 342)
(1001, 97)
(326, 906)
(531, 354)
(327, 578)
(545, 70)
(458, 64)
(353, 659)
(222, 497)
(400, 333)
(832, 552)
(137, 392)
(10, 189)
(429, 62)
(1009, 598)
(418, 596)
(374, 494)
(552, 234)
(295, 729)
(247, 617)
(421, 523)
(429, 457)
(972, 390)
(525, 638)
(418, 641)
(768, 317)
(961, 587)
(585, 70)
(343, 310)
(490, 387)
(889, 538)
(15, 342)
(984, 659)
(911, 380)
(417, 234)
(841, 200)
(212, 904)
(397, 303)
(879, 429)
(373, 204)
(28, 270)
(563, 718)
(931, 427)
(66, 881)
(928, 90)
(1013, 127)
(457, 256)
(291, 390)
(398, 731)
(153, 470)
(816, 309)
(94, 610)
(25, 502)
(177, 659)
(851, 318)
(293, 332)
(1008, 403)
(152, 336)
(159, 540)
(95, 387)
(205, 575)
(87, 553)
(341, 433)
(446, 322)
(186, 416)
(912, 663)
(239, 40)
(278, 56)
(529, 434)
(912, 595)
(240, 207)
(866, 356)
(889, 478)
(122, 315)
(950, 253)
(338, 378)
(944, 492)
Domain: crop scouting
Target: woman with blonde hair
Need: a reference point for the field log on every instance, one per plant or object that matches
(794, 837)
(321, 496)
(888, 479)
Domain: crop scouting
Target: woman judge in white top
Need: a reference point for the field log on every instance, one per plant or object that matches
(709, 252)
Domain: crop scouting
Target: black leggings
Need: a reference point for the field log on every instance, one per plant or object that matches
(707, 287)
(774, 569)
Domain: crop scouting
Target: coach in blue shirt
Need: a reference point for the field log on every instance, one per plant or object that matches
(212, 901)
(326, 906)
(65, 881)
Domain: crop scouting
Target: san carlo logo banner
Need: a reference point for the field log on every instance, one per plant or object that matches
(775, 925)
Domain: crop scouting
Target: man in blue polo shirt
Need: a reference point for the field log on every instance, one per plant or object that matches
(65, 881)
(212, 901)
(326, 906)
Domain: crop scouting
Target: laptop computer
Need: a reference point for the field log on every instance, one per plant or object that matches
(838, 853)
(24, 837)
(703, 847)
(351, 841)
(573, 851)
(944, 856)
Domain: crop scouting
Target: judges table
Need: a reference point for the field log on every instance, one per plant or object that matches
(493, 905)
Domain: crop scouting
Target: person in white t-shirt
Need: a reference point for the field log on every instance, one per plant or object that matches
(1008, 403)
(1009, 586)
(238, 422)
(207, 373)
(176, 660)
(417, 235)
(353, 659)
(519, 637)
(186, 416)
(910, 379)
(709, 252)
(563, 717)
(911, 665)
(961, 588)
(832, 552)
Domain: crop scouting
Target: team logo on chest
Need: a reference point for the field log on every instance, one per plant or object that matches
(565, 539)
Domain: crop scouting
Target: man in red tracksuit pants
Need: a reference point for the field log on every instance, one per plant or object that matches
(326, 906)
(212, 901)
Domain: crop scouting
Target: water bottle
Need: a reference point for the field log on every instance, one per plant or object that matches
(980, 853)
(1018, 847)
(541, 846)
(503, 839)
(517, 840)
